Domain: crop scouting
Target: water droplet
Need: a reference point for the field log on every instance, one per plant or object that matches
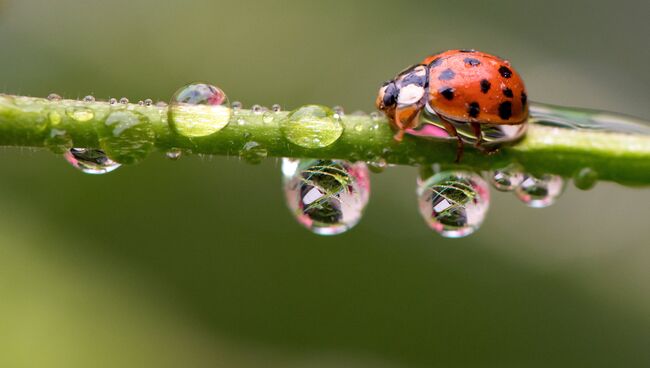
(58, 141)
(54, 97)
(507, 178)
(375, 115)
(141, 103)
(174, 154)
(257, 109)
(124, 100)
(253, 152)
(198, 110)
(81, 114)
(112, 101)
(89, 98)
(539, 192)
(312, 126)
(237, 105)
(126, 136)
(454, 203)
(90, 161)
(148, 102)
(276, 108)
(377, 166)
(338, 110)
(585, 179)
(327, 197)
(268, 117)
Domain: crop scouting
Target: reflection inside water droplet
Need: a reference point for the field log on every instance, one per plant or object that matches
(90, 161)
(199, 109)
(126, 136)
(328, 197)
(312, 126)
(539, 192)
(454, 203)
(174, 154)
(507, 178)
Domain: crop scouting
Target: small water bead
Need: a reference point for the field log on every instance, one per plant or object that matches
(90, 161)
(338, 110)
(540, 192)
(237, 105)
(174, 154)
(253, 153)
(54, 97)
(124, 100)
(89, 98)
(377, 166)
(267, 117)
(375, 115)
(257, 109)
(585, 179)
(199, 109)
(141, 103)
(58, 141)
(507, 178)
(80, 114)
(126, 136)
(312, 126)
(454, 203)
(148, 102)
(112, 101)
(327, 197)
(276, 108)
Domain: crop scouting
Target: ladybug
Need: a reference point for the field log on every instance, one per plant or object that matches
(460, 86)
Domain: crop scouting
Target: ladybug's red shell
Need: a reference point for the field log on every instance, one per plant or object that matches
(475, 87)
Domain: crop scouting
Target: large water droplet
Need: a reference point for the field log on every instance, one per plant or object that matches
(199, 109)
(585, 179)
(126, 136)
(539, 192)
(327, 197)
(253, 153)
(90, 161)
(454, 203)
(312, 126)
(507, 178)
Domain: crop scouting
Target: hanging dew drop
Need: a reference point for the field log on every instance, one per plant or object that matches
(58, 141)
(312, 126)
(540, 192)
(253, 153)
(174, 154)
(454, 203)
(585, 179)
(508, 178)
(327, 197)
(126, 136)
(90, 161)
(198, 110)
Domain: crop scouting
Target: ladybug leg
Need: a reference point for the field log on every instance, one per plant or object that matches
(405, 117)
(476, 127)
(451, 129)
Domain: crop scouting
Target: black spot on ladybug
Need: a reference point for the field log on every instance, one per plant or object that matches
(507, 92)
(437, 61)
(524, 99)
(505, 110)
(472, 61)
(485, 85)
(390, 94)
(505, 72)
(466, 50)
(447, 74)
(447, 93)
(413, 78)
(474, 109)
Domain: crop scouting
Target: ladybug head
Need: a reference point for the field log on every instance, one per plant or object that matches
(387, 98)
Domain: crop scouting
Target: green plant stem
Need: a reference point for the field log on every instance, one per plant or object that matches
(614, 156)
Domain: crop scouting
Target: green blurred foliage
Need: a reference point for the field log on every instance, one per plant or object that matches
(198, 263)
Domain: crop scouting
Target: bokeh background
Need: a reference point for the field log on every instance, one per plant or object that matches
(198, 263)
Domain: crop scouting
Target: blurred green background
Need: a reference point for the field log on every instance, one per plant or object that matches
(198, 263)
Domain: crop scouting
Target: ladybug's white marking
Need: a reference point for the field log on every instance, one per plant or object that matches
(410, 94)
